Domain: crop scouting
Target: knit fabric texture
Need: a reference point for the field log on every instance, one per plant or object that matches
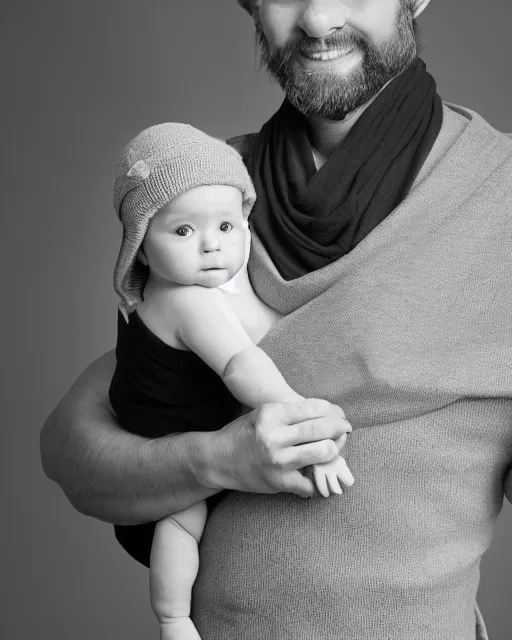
(410, 333)
(159, 164)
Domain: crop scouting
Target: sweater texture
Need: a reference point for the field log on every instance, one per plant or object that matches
(411, 334)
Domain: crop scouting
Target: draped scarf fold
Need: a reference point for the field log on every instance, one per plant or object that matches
(305, 218)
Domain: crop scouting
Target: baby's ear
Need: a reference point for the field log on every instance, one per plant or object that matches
(141, 257)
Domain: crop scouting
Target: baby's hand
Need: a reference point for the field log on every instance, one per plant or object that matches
(329, 475)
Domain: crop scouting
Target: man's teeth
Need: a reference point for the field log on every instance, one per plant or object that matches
(331, 54)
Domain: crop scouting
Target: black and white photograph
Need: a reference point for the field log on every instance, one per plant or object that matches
(257, 330)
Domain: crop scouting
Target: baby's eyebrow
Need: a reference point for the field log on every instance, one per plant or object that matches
(178, 216)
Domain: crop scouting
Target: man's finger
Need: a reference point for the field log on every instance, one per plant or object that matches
(303, 455)
(308, 409)
(341, 441)
(324, 428)
(299, 485)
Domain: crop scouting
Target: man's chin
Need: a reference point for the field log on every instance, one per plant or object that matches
(329, 97)
(323, 79)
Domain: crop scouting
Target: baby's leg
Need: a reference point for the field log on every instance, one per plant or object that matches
(174, 566)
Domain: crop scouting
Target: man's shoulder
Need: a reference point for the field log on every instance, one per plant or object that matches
(479, 121)
(244, 144)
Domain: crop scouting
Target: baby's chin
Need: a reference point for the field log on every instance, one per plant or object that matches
(214, 277)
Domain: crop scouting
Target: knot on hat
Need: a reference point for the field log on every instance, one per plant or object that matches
(139, 170)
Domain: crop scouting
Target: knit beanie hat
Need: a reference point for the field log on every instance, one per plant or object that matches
(159, 164)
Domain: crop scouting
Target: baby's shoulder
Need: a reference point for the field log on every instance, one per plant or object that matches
(194, 298)
(166, 313)
(201, 307)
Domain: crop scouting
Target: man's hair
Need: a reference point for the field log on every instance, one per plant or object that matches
(248, 5)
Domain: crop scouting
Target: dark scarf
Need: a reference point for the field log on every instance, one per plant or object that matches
(307, 219)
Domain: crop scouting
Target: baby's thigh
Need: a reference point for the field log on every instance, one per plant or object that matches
(192, 519)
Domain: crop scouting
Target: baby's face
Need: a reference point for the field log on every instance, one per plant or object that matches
(198, 238)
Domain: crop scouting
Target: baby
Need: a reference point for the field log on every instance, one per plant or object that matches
(186, 349)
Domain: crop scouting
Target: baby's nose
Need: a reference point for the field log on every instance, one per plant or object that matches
(211, 242)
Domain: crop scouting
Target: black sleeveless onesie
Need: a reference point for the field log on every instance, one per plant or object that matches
(157, 390)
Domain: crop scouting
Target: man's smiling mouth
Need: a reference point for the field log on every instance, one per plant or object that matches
(328, 54)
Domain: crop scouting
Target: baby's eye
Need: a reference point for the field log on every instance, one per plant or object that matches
(184, 231)
(226, 227)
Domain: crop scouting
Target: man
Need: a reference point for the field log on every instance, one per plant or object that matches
(392, 265)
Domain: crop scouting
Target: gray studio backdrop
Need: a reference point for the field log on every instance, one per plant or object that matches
(78, 79)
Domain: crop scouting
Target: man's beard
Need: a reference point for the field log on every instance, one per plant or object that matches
(330, 95)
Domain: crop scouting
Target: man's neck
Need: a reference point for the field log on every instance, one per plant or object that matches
(325, 135)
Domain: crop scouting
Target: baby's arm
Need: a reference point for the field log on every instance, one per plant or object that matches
(209, 327)
(174, 566)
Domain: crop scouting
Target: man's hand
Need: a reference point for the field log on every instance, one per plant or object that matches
(117, 476)
(262, 451)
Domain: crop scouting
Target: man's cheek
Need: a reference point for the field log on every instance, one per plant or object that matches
(376, 19)
(278, 22)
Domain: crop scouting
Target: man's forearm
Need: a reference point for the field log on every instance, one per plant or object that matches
(122, 478)
(130, 480)
(114, 475)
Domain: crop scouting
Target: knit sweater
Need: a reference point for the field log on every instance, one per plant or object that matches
(411, 334)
